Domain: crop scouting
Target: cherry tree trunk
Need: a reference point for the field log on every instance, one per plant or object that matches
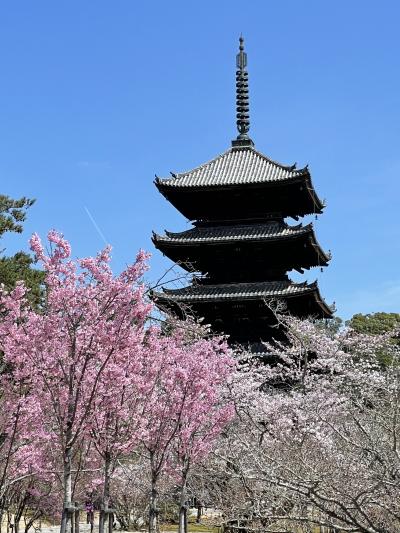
(106, 495)
(77, 517)
(183, 521)
(154, 526)
(66, 514)
(102, 520)
(19, 511)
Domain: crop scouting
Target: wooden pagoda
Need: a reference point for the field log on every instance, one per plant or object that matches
(241, 248)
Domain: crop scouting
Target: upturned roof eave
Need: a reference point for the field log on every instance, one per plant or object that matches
(175, 239)
(318, 203)
(328, 309)
(325, 257)
(165, 243)
(169, 185)
(252, 288)
(170, 192)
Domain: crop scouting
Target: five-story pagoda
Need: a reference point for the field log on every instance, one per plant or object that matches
(240, 243)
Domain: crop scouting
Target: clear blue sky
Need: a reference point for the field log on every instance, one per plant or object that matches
(98, 96)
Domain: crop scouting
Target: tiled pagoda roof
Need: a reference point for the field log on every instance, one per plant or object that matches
(236, 166)
(241, 232)
(240, 291)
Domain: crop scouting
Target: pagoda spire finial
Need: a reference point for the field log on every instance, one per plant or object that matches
(242, 98)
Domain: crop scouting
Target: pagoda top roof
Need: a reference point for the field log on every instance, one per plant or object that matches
(257, 290)
(268, 230)
(238, 165)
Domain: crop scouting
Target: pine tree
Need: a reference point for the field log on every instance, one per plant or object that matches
(19, 266)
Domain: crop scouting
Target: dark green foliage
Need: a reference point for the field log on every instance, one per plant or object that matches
(378, 324)
(374, 323)
(18, 267)
(13, 213)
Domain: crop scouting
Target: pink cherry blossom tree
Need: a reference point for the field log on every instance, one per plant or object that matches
(186, 376)
(21, 459)
(205, 412)
(117, 415)
(62, 352)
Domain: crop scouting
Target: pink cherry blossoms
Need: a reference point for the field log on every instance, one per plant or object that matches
(88, 383)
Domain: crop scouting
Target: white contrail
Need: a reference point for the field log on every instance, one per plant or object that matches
(96, 226)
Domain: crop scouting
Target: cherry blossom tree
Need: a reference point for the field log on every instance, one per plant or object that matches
(119, 409)
(86, 326)
(185, 376)
(89, 383)
(316, 437)
(21, 459)
(204, 414)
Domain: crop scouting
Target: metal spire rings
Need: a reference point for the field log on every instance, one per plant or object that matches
(242, 97)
